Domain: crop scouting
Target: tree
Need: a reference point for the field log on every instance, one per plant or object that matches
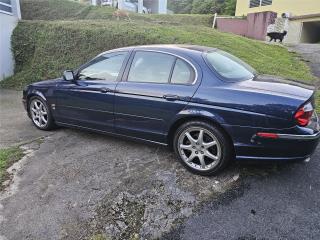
(226, 7)
(230, 7)
(202, 6)
(180, 6)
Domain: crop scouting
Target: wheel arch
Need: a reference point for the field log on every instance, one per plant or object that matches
(34, 94)
(188, 118)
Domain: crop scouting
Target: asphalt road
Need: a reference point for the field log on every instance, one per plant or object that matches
(281, 205)
(284, 204)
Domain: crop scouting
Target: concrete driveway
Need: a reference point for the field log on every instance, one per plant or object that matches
(75, 185)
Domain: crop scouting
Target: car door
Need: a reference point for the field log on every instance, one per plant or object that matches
(155, 87)
(88, 101)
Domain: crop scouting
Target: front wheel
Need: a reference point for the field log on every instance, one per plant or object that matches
(202, 148)
(40, 114)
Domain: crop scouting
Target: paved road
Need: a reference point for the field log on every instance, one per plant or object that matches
(14, 128)
(311, 54)
(284, 204)
(74, 184)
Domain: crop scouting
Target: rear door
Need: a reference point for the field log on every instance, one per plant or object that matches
(89, 100)
(155, 87)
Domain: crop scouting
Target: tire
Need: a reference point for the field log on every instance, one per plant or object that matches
(40, 113)
(206, 155)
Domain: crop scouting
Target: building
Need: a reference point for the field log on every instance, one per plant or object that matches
(9, 17)
(140, 6)
(302, 17)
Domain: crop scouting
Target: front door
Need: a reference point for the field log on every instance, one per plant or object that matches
(89, 100)
(156, 86)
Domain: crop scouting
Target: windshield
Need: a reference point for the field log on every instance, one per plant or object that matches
(229, 67)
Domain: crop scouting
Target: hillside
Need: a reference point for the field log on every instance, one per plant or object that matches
(43, 49)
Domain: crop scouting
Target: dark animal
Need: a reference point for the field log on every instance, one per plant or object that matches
(276, 35)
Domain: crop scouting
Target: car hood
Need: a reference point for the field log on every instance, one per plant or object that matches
(278, 86)
(47, 83)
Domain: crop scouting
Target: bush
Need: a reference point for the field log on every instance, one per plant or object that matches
(44, 49)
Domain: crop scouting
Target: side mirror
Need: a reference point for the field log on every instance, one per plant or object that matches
(68, 75)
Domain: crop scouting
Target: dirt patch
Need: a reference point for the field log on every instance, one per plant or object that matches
(165, 202)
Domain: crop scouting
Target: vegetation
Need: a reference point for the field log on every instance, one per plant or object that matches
(43, 49)
(225, 7)
(318, 101)
(68, 10)
(7, 157)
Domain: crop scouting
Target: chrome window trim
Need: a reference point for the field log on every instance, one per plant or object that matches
(177, 56)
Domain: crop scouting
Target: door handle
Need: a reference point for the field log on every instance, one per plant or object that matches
(105, 90)
(171, 97)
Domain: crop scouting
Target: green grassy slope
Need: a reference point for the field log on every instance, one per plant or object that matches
(43, 49)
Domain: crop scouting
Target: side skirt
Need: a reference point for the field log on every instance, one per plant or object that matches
(109, 133)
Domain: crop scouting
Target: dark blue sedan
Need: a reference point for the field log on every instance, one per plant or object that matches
(206, 104)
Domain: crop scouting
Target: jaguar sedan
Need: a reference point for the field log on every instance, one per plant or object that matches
(206, 104)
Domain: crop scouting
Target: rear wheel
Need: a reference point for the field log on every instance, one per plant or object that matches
(40, 114)
(202, 148)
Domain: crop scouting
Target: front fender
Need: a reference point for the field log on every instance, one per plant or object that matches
(36, 92)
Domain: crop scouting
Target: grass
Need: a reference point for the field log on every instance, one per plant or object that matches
(317, 100)
(77, 32)
(8, 156)
(43, 49)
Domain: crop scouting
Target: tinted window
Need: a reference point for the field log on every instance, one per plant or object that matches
(182, 73)
(106, 68)
(151, 67)
(229, 67)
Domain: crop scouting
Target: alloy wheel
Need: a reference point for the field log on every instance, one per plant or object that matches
(199, 148)
(39, 113)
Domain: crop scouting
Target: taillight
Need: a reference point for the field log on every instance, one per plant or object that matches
(267, 135)
(304, 114)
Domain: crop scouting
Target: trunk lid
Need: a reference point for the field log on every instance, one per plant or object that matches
(278, 86)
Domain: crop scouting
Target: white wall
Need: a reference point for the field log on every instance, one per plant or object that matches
(7, 24)
(162, 6)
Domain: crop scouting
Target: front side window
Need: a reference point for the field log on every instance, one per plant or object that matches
(151, 67)
(182, 73)
(229, 66)
(106, 68)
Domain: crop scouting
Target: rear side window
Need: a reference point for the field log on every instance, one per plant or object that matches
(182, 73)
(229, 66)
(151, 67)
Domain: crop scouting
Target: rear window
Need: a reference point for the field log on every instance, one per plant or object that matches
(229, 67)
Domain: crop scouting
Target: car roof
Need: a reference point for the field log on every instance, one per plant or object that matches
(171, 48)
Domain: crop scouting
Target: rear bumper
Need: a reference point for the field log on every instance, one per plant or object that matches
(299, 137)
(290, 145)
